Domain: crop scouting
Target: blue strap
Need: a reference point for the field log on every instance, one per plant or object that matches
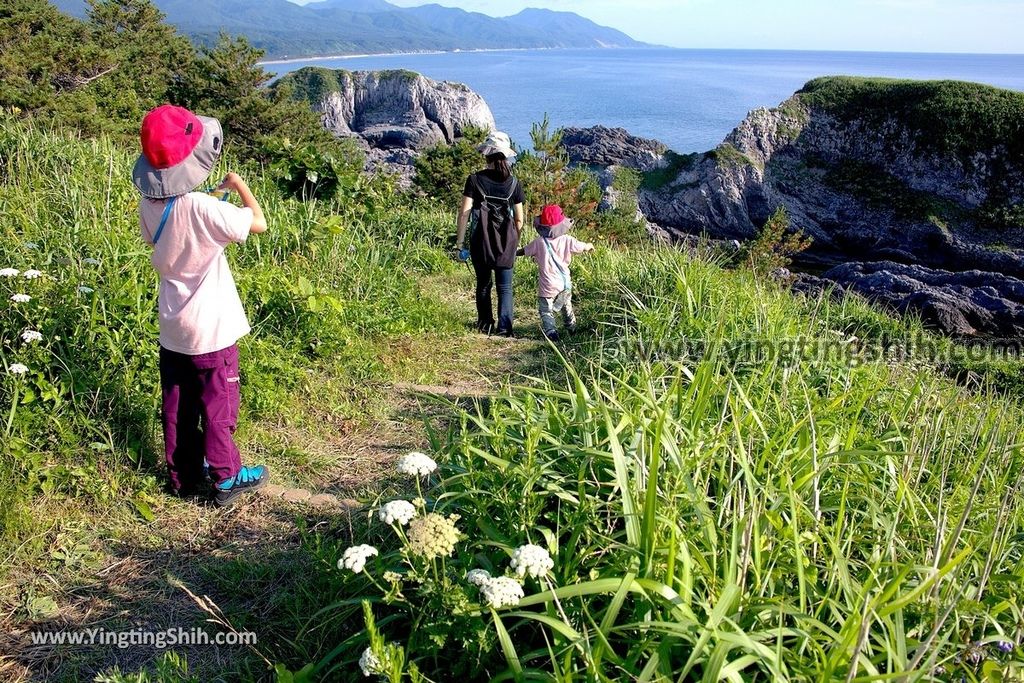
(163, 220)
(551, 255)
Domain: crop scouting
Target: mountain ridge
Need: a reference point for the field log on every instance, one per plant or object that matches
(284, 29)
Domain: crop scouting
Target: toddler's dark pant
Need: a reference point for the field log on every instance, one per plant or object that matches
(200, 413)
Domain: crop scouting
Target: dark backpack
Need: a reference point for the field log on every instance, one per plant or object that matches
(494, 238)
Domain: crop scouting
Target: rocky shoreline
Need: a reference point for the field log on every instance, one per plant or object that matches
(895, 216)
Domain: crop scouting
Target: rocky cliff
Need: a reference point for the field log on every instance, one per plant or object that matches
(394, 113)
(915, 172)
(928, 174)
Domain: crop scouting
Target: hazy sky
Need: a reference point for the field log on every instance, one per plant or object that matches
(897, 25)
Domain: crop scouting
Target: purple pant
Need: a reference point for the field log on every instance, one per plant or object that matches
(200, 413)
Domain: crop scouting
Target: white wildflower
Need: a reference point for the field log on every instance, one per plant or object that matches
(21, 298)
(392, 577)
(32, 274)
(369, 663)
(502, 591)
(531, 560)
(354, 559)
(478, 577)
(91, 261)
(29, 336)
(17, 369)
(9, 272)
(416, 465)
(82, 289)
(31, 245)
(397, 511)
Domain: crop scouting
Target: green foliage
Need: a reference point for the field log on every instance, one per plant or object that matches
(441, 170)
(99, 75)
(949, 117)
(677, 163)
(775, 245)
(227, 82)
(548, 179)
(723, 496)
(171, 668)
(309, 171)
(727, 155)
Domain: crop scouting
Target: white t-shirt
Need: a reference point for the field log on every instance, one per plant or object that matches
(200, 311)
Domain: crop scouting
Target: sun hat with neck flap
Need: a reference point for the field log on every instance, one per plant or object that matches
(179, 150)
(552, 222)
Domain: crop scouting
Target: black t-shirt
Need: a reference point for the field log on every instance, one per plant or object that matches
(494, 246)
(492, 184)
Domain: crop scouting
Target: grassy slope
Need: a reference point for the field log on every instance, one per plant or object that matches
(318, 408)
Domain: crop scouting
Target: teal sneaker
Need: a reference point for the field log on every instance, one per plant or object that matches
(247, 479)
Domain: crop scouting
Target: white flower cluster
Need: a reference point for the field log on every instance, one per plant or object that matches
(531, 560)
(17, 369)
(502, 591)
(29, 336)
(20, 298)
(31, 245)
(354, 559)
(416, 464)
(91, 261)
(32, 274)
(369, 663)
(9, 272)
(478, 577)
(397, 511)
(82, 289)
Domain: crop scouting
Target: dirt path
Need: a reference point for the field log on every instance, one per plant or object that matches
(260, 560)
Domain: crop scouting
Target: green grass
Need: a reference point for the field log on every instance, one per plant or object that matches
(720, 500)
(715, 515)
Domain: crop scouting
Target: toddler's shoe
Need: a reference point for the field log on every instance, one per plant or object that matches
(552, 335)
(247, 479)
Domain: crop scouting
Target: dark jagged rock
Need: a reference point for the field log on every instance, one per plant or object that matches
(957, 303)
(604, 147)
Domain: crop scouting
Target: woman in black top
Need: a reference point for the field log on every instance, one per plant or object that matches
(494, 199)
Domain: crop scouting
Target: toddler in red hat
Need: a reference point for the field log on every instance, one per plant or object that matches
(552, 250)
(200, 312)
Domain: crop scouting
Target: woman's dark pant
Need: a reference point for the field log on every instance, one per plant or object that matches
(485, 277)
(200, 412)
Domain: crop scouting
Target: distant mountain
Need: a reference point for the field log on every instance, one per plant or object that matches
(285, 29)
(575, 30)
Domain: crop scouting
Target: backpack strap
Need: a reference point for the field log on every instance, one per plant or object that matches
(566, 284)
(163, 221)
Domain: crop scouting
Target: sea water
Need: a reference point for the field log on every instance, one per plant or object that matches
(688, 99)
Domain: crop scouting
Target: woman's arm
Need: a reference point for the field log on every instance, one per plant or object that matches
(517, 212)
(464, 211)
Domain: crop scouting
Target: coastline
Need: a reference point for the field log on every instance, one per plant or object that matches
(321, 58)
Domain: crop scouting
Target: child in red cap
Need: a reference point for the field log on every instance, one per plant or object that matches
(552, 250)
(201, 315)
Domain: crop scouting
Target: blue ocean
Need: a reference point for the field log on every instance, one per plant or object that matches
(688, 99)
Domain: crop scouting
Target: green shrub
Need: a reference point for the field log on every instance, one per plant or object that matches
(441, 170)
(775, 245)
